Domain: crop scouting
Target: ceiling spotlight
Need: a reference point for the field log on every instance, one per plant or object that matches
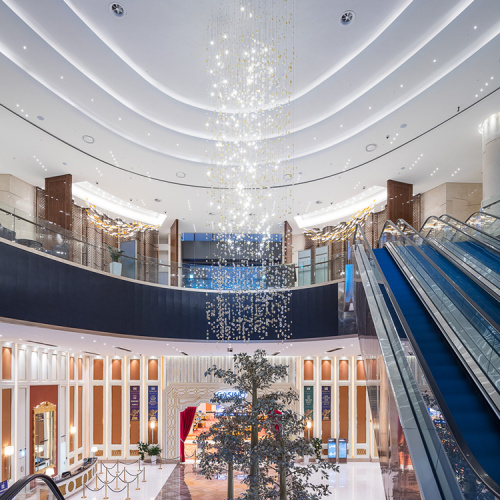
(347, 18)
(117, 9)
(371, 147)
(181, 175)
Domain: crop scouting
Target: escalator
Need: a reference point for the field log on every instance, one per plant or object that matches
(486, 222)
(34, 486)
(451, 322)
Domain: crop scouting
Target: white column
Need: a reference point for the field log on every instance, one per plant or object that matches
(491, 159)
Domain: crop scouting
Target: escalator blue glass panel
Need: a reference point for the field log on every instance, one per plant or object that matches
(478, 424)
(479, 252)
(480, 296)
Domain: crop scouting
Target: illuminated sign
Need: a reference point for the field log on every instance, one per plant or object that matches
(332, 448)
(230, 395)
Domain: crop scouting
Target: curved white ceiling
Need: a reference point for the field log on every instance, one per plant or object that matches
(139, 86)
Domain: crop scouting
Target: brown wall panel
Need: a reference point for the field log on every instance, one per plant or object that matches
(135, 369)
(116, 414)
(287, 240)
(174, 251)
(39, 394)
(343, 412)
(98, 414)
(6, 363)
(80, 417)
(135, 432)
(360, 370)
(72, 368)
(361, 414)
(6, 431)
(326, 431)
(308, 369)
(344, 369)
(153, 369)
(80, 369)
(71, 417)
(326, 369)
(59, 200)
(98, 369)
(116, 369)
(399, 201)
(151, 439)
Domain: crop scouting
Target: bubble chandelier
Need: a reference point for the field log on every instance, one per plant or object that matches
(250, 58)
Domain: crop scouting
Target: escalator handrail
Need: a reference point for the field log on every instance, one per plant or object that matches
(381, 278)
(19, 485)
(472, 303)
(481, 213)
(470, 458)
(480, 283)
(493, 246)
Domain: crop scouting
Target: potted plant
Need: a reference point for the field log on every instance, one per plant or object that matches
(143, 449)
(154, 451)
(115, 267)
(318, 447)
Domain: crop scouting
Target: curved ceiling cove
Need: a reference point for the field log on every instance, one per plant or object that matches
(139, 85)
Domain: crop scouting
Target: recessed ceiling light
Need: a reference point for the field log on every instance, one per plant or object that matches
(88, 139)
(181, 175)
(157, 200)
(371, 147)
(319, 202)
(347, 18)
(403, 125)
(116, 9)
(40, 117)
(287, 177)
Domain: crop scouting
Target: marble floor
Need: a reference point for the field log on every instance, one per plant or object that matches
(354, 480)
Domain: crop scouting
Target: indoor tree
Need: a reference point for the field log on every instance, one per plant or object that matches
(252, 408)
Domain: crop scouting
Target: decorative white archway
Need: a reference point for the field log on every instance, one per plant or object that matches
(178, 396)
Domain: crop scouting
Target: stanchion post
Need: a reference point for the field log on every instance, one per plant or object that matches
(101, 468)
(117, 481)
(138, 488)
(128, 494)
(160, 461)
(96, 481)
(117, 465)
(83, 496)
(106, 491)
(144, 475)
(106, 480)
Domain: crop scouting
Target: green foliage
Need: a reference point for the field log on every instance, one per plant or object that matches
(268, 461)
(318, 447)
(154, 450)
(115, 254)
(142, 448)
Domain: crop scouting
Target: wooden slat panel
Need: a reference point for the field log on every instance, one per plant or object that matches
(6, 363)
(98, 414)
(80, 369)
(116, 369)
(361, 414)
(71, 416)
(287, 241)
(343, 412)
(6, 431)
(360, 370)
(98, 369)
(326, 369)
(80, 416)
(116, 414)
(344, 369)
(399, 201)
(135, 369)
(174, 252)
(59, 200)
(153, 369)
(308, 369)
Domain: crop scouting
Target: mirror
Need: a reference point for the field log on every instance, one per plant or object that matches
(44, 436)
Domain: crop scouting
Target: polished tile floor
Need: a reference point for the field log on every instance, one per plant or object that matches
(354, 480)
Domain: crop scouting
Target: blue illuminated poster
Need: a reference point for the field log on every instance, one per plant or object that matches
(153, 402)
(332, 448)
(326, 403)
(342, 448)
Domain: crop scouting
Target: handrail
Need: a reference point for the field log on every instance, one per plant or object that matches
(401, 376)
(476, 467)
(19, 485)
(480, 283)
(482, 213)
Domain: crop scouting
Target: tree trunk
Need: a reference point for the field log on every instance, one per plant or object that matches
(282, 471)
(230, 480)
(254, 439)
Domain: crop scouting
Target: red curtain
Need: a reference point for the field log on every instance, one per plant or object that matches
(187, 417)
